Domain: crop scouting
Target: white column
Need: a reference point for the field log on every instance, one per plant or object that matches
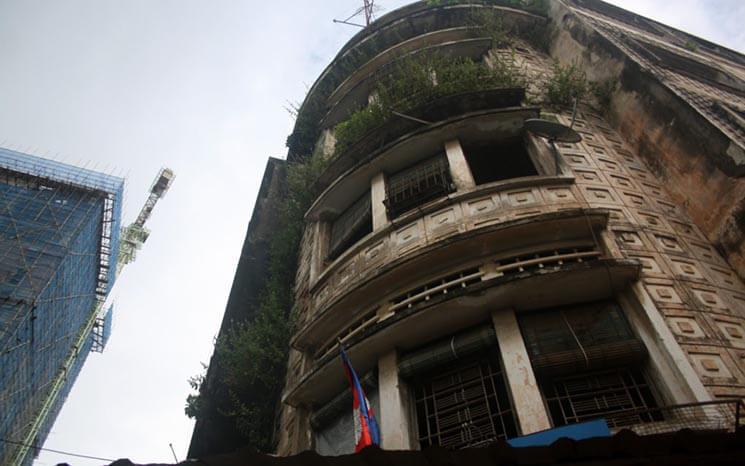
(318, 250)
(394, 413)
(459, 169)
(526, 397)
(377, 195)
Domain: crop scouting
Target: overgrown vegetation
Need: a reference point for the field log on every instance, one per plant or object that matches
(250, 359)
(567, 82)
(311, 112)
(418, 80)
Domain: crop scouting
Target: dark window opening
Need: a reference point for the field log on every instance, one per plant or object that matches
(588, 364)
(622, 397)
(351, 226)
(415, 185)
(464, 405)
(491, 161)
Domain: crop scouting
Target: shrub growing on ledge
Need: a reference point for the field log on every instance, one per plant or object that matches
(566, 84)
(418, 80)
(250, 358)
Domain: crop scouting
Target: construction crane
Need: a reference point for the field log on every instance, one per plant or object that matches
(135, 234)
(131, 239)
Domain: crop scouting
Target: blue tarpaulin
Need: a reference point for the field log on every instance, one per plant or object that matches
(584, 430)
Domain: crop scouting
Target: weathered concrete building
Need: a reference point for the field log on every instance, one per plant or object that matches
(492, 282)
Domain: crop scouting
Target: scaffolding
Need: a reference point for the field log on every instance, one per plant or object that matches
(59, 242)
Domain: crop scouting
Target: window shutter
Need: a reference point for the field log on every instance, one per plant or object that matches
(580, 338)
(347, 226)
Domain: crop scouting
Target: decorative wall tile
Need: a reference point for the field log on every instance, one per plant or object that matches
(650, 264)
(482, 206)
(705, 252)
(407, 237)
(667, 243)
(629, 239)
(724, 277)
(346, 272)
(598, 194)
(577, 160)
(710, 365)
(686, 327)
(667, 207)
(737, 301)
(685, 228)
(621, 181)
(652, 188)
(375, 251)
(651, 220)
(559, 194)
(609, 165)
(587, 137)
(597, 150)
(632, 199)
(685, 268)
(733, 332)
(709, 299)
(521, 198)
(626, 155)
(616, 212)
(587, 175)
(664, 294)
(443, 221)
(641, 174)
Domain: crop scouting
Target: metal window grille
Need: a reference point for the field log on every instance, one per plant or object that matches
(623, 397)
(351, 225)
(418, 184)
(579, 338)
(466, 406)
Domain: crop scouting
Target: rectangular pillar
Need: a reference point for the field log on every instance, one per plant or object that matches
(526, 397)
(459, 169)
(319, 249)
(377, 196)
(681, 380)
(394, 414)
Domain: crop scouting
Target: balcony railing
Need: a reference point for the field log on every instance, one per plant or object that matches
(718, 415)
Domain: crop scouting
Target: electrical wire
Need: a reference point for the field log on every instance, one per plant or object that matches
(78, 455)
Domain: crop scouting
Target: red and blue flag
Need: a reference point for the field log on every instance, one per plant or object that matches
(366, 431)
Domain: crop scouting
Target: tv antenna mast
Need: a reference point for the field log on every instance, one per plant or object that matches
(368, 9)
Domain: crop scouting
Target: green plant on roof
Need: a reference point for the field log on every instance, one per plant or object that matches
(415, 81)
(567, 83)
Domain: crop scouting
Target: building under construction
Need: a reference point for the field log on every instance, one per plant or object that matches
(59, 240)
(530, 215)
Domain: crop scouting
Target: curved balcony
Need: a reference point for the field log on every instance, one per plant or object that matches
(399, 142)
(391, 29)
(354, 91)
(557, 278)
(407, 250)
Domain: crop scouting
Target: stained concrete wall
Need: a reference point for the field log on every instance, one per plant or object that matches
(665, 170)
(213, 432)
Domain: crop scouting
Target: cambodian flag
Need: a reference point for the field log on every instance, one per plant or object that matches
(366, 430)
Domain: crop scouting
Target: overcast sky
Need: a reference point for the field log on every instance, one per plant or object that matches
(200, 87)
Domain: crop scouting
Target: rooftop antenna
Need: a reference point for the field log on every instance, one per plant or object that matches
(368, 9)
(554, 132)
